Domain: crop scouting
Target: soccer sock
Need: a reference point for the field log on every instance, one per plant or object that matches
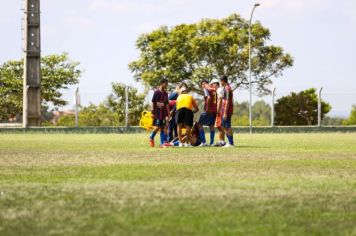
(202, 135)
(212, 137)
(163, 137)
(230, 138)
(153, 134)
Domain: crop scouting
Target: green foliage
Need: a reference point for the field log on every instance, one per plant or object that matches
(333, 120)
(58, 72)
(208, 49)
(300, 108)
(116, 103)
(112, 111)
(261, 114)
(352, 119)
(92, 115)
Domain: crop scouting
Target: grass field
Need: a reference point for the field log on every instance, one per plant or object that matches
(280, 184)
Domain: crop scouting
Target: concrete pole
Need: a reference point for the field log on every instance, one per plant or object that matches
(272, 107)
(32, 63)
(249, 64)
(319, 107)
(77, 102)
(127, 106)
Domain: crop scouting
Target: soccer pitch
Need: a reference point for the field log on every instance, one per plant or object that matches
(271, 184)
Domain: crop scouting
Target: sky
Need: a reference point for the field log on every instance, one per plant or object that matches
(101, 35)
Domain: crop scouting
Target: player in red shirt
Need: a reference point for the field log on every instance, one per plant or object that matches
(208, 117)
(227, 110)
(160, 112)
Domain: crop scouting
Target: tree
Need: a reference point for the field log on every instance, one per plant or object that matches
(333, 120)
(58, 72)
(92, 115)
(300, 108)
(352, 119)
(116, 103)
(208, 49)
(261, 114)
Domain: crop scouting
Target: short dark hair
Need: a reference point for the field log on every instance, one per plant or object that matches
(224, 78)
(204, 81)
(163, 81)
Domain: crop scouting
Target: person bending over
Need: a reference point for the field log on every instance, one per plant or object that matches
(185, 115)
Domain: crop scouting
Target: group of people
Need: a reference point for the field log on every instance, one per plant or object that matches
(173, 115)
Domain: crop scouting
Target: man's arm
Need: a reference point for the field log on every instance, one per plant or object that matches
(227, 103)
(208, 98)
(168, 112)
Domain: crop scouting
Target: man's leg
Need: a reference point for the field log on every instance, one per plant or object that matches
(201, 128)
(202, 133)
(189, 131)
(163, 134)
(152, 136)
(170, 130)
(212, 134)
(180, 136)
(230, 136)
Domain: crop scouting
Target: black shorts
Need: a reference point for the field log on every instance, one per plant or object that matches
(159, 123)
(207, 119)
(184, 116)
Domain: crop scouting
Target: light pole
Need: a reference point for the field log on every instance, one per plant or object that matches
(272, 107)
(319, 107)
(249, 63)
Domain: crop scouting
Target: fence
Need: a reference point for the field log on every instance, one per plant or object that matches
(341, 104)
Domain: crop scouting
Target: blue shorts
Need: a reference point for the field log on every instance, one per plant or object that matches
(159, 123)
(226, 123)
(207, 119)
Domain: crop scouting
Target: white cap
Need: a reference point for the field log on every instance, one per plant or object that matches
(214, 81)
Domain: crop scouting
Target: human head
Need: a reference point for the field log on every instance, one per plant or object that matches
(204, 83)
(183, 84)
(183, 90)
(163, 83)
(224, 80)
(215, 83)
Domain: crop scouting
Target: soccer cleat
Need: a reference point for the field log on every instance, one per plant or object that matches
(152, 143)
(181, 145)
(203, 145)
(188, 145)
(219, 144)
(167, 145)
(228, 145)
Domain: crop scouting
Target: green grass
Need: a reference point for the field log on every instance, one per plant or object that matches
(280, 184)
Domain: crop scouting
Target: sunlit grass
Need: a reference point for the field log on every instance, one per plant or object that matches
(293, 184)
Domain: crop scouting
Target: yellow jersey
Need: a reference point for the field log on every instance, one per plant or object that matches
(185, 100)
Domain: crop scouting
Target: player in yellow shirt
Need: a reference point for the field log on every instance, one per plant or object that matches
(186, 106)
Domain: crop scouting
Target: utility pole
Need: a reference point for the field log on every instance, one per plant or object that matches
(127, 106)
(249, 63)
(32, 63)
